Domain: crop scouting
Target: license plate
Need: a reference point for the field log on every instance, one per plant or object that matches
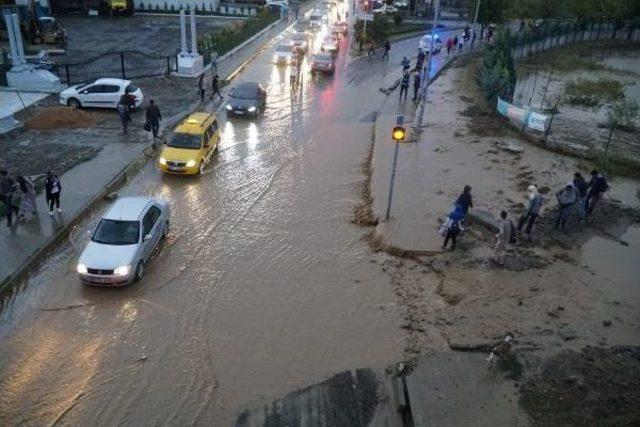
(175, 168)
(99, 280)
(239, 112)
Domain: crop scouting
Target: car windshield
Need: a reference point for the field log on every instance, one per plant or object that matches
(80, 87)
(323, 58)
(131, 88)
(185, 140)
(315, 18)
(112, 232)
(244, 93)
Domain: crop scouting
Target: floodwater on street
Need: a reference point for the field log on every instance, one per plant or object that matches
(262, 287)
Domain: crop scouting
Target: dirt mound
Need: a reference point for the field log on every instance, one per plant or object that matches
(53, 118)
(598, 386)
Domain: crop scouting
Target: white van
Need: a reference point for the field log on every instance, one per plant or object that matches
(425, 42)
(281, 3)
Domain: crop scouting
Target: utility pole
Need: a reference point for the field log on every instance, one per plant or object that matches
(475, 19)
(425, 80)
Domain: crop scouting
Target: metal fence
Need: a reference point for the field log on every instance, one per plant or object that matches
(525, 43)
(125, 64)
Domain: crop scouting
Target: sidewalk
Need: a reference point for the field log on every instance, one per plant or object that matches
(407, 227)
(23, 245)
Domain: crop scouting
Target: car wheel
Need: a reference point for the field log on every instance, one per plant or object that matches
(165, 230)
(201, 168)
(139, 272)
(73, 103)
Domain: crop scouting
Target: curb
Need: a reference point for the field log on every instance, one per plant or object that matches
(36, 259)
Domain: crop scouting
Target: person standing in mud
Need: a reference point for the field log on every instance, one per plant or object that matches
(597, 185)
(581, 186)
(6, 192)
(404, 85)
(533, 210)
(201, 87)
(452, 227)
(215, 90)
(387, 48)
(416, 86)
(505, 231)
(567, 198)
(465, 201)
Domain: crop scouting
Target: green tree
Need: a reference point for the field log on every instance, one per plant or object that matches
(490, 11)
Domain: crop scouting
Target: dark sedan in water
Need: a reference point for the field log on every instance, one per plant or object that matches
(247, 99)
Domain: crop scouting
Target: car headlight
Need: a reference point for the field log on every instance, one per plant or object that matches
(191, 163)
(163, 161)
(251, 109)
(81, 268)
(121, 271)
(229, 107)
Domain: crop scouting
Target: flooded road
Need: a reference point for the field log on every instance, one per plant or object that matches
(263, 286)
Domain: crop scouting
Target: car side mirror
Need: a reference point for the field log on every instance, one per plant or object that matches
(148, 237)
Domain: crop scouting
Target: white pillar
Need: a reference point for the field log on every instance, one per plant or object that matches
(194, 42)
(183, 34)
(18, 37)
(12, 40)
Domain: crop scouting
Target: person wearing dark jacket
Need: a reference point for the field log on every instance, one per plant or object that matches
(153, 117)
(53, 188)
(581, 185)
(567, 198)
(387, 48)
(214, 87)
(201, 87)
(533, 210)
(7, 187)
(464, 200)
(597, 185)
(416, 86)
(404, 85)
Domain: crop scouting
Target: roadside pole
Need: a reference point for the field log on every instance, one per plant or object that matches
(398, 135)
(425, 81)
(475, 19)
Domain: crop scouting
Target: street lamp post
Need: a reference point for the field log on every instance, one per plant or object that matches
(475, 19)
(425, 80)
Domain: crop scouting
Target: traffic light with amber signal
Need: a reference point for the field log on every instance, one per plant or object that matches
(398, 133)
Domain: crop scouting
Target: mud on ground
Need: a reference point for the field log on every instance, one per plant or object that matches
(561, 291)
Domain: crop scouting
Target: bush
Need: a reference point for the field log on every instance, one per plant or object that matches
(222, 41)
(623, 115)
(497, 76)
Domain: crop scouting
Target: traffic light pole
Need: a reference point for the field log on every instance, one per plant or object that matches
(393, 178)
(425, 80)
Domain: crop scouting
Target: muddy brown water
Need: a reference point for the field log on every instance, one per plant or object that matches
(263, 286)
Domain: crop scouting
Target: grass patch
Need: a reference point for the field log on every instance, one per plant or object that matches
(590, 93)
(563, 62)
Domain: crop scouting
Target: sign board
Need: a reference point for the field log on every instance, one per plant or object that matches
(399, 120)
(362, 16)
(523, 116)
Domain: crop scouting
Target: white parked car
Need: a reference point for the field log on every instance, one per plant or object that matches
(103, 93)
(281, 3)
(123, 241)
(283, 53)
(425, 42)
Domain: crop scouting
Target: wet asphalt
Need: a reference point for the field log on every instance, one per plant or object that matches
(263, 286)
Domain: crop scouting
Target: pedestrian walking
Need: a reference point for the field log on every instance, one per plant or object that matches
(489, 34)
(416, 86)
(503, 238)
(6, 192)
(449, 45)
(581, 186)
(387, 48)
(53, 188)
(567, 198)
(293, 76)
(419, 60)
(214, 87)
(123, 113)
(153, 118)
(597, 185)
(404, 85)
(406, 64)
(473, 39)
(455, 41)
(451, 228)
(460, 44)
(28, 197)
(533, 210)
(482, 32)
(465, 200)
(201, 87)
